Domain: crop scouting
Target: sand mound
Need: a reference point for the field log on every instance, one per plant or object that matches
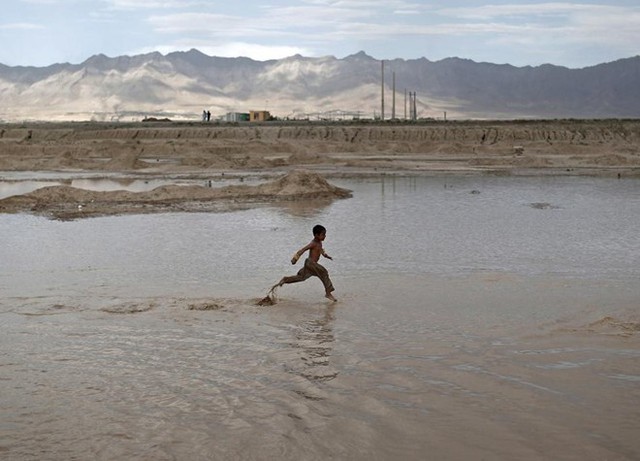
(64, 202)
(303, 183)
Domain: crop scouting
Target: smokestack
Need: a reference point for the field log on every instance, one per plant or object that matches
(393, 98)
(382, 106)
(413, 106)
(405, 103)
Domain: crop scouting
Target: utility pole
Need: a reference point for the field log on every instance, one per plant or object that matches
(415, 106)
(393, 98)
(405, 103)
(382, 92)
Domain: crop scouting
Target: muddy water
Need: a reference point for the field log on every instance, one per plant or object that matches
(17, 186)
(478, 318)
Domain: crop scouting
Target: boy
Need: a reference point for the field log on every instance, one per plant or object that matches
(311, 266)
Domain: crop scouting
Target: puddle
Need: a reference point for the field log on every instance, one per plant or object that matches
(11, 188)
(24, 183)
(155, 160)
(107, 185)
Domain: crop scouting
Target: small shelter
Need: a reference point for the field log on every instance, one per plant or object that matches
(259, 116)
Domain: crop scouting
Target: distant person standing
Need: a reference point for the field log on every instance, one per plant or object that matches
(204, 115)
(208, 116)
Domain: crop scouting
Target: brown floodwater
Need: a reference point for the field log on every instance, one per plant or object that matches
(472, 323)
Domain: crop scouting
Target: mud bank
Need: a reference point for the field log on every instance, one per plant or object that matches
(590, 147)
(67, 203)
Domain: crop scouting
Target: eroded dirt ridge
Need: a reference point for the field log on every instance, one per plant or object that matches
(112, 147)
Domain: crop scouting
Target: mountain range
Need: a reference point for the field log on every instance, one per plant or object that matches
(181, 85)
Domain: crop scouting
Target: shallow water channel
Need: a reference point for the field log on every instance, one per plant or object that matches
(19, 183)
(478, 317)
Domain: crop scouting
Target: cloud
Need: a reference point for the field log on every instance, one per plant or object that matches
(211, 25)
(311, 22)
(573, 16)
(320, 27)
(43, 2)
(150, 4)
(306, 20)
(311, 16)
(406, 12)
(562, 22)
(488, 12)
(21, 26)
(332, 21)
(561, 31)
(517, 31)
(254, 51)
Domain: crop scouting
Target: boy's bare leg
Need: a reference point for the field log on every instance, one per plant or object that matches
(330, 296)
(279, 284)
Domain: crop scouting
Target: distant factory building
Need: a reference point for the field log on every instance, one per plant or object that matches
(236, 117)
(259, 116)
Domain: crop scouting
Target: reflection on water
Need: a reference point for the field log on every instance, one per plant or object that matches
(15, 186)
(307, 208)
(470, 325)
(10, 188)
(314, 339)
(105, 185)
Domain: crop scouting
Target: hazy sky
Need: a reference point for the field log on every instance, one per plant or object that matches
(518, 32)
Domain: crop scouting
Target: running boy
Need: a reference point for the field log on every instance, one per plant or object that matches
(311, 265)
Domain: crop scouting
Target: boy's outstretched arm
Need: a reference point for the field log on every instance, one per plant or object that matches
(299, 253)
(324, 253)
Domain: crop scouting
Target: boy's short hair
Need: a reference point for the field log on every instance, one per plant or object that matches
(318, 229)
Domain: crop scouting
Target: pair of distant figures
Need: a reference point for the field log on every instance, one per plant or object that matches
(206, 116)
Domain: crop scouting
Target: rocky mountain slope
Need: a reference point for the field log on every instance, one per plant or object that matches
(181, 85)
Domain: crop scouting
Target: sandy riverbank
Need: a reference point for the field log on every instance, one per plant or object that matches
(166, 149)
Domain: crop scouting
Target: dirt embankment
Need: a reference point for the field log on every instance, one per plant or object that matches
(64, 202)
(179, 147)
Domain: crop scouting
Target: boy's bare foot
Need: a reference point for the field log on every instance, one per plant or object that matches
(331, 297)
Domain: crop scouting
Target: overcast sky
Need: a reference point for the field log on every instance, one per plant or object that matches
(519, 32)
